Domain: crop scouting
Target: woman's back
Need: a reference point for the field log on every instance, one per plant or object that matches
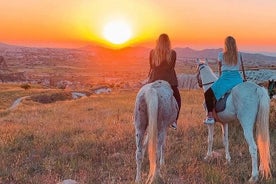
(164, 71)
(225, 66)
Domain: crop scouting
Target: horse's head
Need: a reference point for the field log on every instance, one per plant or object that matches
(205, 76)
(198, 77)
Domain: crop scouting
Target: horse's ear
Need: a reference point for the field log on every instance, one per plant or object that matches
(197, 61)
(206, 61)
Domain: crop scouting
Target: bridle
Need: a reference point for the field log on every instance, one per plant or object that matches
(199, 81)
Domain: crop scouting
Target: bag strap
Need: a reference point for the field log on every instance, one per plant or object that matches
(243, 72)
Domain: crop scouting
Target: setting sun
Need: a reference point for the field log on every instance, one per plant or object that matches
(117, 32)
(125, 23)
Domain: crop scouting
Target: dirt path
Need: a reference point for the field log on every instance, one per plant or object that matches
(17, 102)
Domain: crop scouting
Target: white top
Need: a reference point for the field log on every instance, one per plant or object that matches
(225, 67)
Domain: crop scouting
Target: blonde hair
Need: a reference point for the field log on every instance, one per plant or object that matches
(230, 54)
(162, 51)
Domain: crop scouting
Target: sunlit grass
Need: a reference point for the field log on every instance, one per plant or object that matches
(91, 140)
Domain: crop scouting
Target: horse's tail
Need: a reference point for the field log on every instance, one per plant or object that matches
(262, 131)
(152, 107)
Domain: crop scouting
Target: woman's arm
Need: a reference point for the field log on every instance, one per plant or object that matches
(150, 62)
(173, 58)
(219, 67)
(219, 61)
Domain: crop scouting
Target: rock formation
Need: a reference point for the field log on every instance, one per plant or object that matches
(3, 64)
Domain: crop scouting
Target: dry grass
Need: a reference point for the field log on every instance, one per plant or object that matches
(92, 140)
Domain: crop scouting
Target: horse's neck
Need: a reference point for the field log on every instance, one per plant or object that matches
(206, 87)
(208, 78)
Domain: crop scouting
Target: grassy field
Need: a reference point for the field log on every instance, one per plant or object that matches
(91, 140)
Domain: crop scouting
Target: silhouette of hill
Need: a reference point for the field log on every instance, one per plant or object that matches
(213, 53)
(4, 45)
(191, 53)
(143, 52)
(127, 52)
(188, 53)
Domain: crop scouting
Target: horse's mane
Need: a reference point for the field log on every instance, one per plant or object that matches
(208, 73)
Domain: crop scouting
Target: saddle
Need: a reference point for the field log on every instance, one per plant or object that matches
(221, 103)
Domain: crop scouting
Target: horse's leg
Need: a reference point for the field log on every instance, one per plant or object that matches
(248, 134)
(156, 176)
(145, 143)
(139, 153)
(160, 157)
(224, 128)
(160, 150)
(210, 141)
(162, 147)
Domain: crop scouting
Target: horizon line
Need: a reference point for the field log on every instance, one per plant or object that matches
(87, 44)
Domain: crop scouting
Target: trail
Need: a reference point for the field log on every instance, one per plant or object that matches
(75, 95)
(17, 102)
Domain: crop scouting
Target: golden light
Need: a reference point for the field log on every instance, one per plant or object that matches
(117, 32)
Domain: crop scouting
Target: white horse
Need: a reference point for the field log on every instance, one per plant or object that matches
(155, 109)
(247, 103)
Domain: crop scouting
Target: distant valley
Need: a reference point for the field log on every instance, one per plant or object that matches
(92, 66)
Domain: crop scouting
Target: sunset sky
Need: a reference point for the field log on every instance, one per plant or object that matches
(195, 23)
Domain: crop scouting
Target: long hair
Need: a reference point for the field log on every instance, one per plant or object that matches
(162, 51)
(230, 54)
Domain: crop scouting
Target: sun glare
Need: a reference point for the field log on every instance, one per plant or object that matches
(117, 32)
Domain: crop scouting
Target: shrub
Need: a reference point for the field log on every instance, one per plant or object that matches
(25, 86)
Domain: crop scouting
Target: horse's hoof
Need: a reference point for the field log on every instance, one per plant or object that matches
(162, 162)
(227, 163)
(253, 180)
(207, 158)
(138, 179)
(150, 179)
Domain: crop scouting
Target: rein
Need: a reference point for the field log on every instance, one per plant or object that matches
(199, 81)
(207, 83)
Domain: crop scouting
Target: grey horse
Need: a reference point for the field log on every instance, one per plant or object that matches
(249, 105)
(155, 109)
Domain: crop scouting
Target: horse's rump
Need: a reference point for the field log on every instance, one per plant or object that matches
(243, 99)
(167, 105)
(242, 91)
(155, 109)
